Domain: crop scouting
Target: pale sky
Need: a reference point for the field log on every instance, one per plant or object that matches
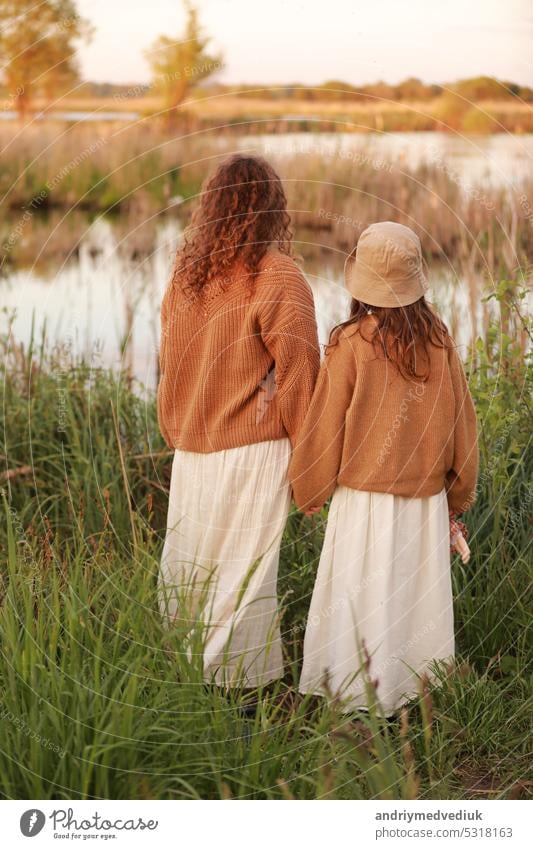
(310, 41)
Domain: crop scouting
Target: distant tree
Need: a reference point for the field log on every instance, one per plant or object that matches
(336, 90)
(380, 90)
(180, 64)
(413, 89)
(481, 88)
(512, 88)
(525, 93)
(37, 48)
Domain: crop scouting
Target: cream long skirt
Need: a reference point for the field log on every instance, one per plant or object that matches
(219, 568)
(383, 592)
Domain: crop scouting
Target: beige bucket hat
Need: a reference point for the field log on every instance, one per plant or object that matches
(386, 269)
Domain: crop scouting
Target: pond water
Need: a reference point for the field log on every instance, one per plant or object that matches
(106, 306)
(104, 302)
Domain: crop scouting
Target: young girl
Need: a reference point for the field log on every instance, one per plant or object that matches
(391, 431)
(239, 359)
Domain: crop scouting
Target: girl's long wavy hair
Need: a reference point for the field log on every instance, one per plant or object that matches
(242, 210)
(401, 334)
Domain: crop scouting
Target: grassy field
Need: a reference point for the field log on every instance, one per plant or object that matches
(98, 700)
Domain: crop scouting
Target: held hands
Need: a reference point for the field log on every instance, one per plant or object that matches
(458, 534)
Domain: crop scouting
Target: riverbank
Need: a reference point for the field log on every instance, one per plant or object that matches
(122, 710)
(334, 191)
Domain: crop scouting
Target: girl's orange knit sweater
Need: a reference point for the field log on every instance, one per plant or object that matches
(369, 428)
(239, 362)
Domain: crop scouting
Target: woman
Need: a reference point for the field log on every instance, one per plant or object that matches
(239, 359)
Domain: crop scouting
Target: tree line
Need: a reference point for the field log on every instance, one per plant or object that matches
(38, 60)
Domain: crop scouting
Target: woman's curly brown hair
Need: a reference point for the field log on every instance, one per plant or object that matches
(242, 211)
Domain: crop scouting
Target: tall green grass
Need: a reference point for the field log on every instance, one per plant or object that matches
(98, 699)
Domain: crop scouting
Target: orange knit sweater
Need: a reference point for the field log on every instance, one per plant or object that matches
(239, 363)
(368, 428)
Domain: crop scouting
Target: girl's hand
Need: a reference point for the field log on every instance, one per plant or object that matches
(311, 511)
(460, 545)
(458, 534)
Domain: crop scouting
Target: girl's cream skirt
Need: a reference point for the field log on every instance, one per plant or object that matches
(219, 568)
(383, 594)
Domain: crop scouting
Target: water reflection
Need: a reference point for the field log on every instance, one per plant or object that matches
(104, 300)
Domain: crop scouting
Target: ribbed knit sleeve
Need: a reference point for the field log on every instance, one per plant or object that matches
(462, 477)
(317, 457)
(288, 329)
